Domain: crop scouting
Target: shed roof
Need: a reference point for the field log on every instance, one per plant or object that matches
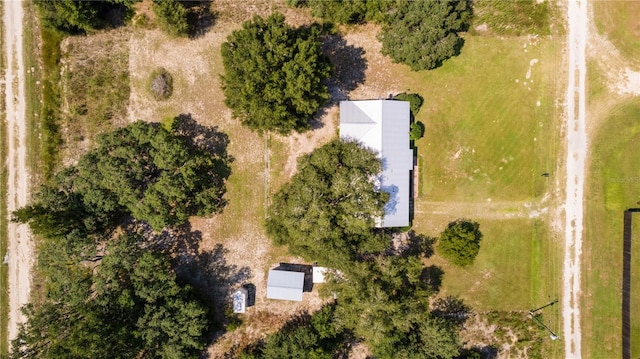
(383, 126)
(285, 285)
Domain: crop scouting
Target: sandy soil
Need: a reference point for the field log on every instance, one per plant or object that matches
(20, 248)
(575, 167)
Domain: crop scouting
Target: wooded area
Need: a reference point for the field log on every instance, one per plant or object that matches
(110, 289)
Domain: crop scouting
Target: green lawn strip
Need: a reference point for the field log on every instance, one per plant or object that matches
(33, 93)
(50, 105)
(486, 136)
(614, 185)
(619, 21)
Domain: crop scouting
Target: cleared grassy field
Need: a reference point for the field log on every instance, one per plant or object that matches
(492, 130)
(491, 120)
(620, 22)
(517, 268)
(613, 186)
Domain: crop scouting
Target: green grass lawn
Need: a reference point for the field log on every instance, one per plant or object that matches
(619, 21)
(613, 186)
(517, 268)
(486, 136)
(491, 132)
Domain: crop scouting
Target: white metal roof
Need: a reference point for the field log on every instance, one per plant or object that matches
(285, 285)
(383, 126)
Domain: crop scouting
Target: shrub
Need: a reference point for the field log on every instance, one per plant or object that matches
(171, 16)
(460, 242)
(415, 101)
(161, 84)
(416, 131)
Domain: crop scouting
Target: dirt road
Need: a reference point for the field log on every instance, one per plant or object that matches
(574, 191)
(20, 247)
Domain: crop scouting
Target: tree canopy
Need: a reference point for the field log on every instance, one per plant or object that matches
(327, 210)
(129, 304)
(81, 16)
(459, 243)
(142, 170)
(326, 214)
(171, 16)
(423, 34)
(275, 75)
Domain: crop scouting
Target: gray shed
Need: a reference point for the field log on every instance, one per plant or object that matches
(285, 285)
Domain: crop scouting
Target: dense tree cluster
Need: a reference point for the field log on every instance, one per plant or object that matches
(142, 170)
(460, 242)
(128, 304)
(423, 34)
(82, 16)
(108, 293)
(326, 212)
(275, 75)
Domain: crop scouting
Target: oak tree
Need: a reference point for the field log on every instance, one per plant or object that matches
(274, 75)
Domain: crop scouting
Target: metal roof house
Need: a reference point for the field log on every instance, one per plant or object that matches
(285, 285)
(383, 126)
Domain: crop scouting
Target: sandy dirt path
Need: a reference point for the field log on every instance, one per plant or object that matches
(576, 153)
(20, 246)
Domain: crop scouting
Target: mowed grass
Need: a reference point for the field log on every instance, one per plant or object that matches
(619, 21)
(517, 268)
(491, 132)
(613, 186)
(492, 129)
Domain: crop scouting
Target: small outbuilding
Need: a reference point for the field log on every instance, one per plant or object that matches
(285, 285)
(240, 298)
(318, 274)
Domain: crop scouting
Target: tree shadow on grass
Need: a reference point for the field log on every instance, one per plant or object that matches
(432, 277)
(417, 245)
(349, 66)
(200, 17)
